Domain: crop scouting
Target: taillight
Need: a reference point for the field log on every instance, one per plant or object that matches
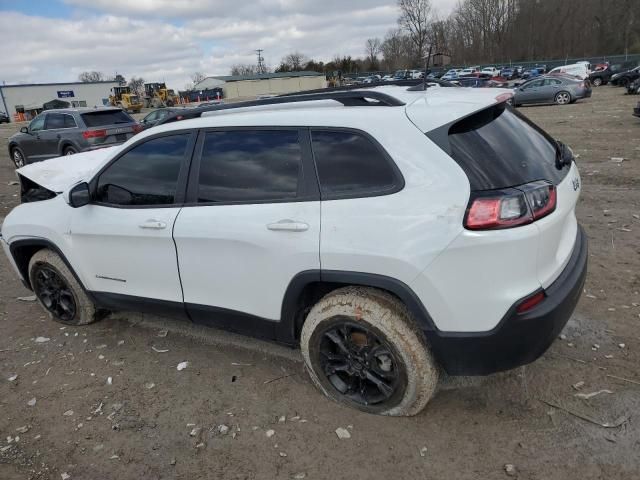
(94, 133)
(137, 128)
(510, 207)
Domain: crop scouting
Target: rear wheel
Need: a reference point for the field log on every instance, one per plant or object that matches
(362, 349)
(69, 150)
(17, 155)
(562, 98)
(58, 291)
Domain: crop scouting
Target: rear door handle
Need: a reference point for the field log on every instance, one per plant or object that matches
(288, 226)
(153, 225)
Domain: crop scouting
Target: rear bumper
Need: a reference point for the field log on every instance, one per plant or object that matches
(518, 339)
(636, 111)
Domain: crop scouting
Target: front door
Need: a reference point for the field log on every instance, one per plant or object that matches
(253, 224)
(530, 92)
(30, 143)
(122, 241)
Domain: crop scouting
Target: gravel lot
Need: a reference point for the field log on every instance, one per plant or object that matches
(155, 422)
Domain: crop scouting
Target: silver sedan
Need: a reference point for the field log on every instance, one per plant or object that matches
(558, 89)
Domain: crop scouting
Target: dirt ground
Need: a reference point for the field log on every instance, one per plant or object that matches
(152, 421)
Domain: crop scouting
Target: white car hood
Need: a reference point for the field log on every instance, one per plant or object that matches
(58, 174)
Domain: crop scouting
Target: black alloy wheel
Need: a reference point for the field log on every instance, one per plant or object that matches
(359, 364)
(54, 293)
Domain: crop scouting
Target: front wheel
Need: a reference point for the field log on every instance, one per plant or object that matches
(362, 349)
(58, 291)
(69, 151)
(596, 82)
(17, 155)
(562, 98)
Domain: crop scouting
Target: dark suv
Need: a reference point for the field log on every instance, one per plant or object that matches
(71, 130)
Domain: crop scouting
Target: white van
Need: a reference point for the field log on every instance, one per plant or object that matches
(577, 69)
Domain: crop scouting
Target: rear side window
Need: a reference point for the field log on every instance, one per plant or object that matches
(250, 166)
(349, 164)
(101, 118)
(145, 175)
(499, 148)
(59, 120)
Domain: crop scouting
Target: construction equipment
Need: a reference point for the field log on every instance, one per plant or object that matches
(157, 95)
(334, 79)
(123, 97)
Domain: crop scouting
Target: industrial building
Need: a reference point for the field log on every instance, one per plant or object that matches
(23, 102)
(251, 86)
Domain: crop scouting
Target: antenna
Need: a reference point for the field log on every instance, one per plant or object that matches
(261, 68)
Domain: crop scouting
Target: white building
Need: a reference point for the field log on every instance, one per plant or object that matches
(29, 99)
(251, 86)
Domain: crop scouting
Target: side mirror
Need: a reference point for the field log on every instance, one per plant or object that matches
(24, 130)
(79, 196)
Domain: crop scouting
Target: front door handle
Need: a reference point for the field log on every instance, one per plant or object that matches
(288, 226)
(153, 225)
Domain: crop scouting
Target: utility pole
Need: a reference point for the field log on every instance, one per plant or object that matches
(261, 68)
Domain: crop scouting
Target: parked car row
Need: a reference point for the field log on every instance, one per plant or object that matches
(620, 74)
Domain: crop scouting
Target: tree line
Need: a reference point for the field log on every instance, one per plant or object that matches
(489, 32)
(476, 32)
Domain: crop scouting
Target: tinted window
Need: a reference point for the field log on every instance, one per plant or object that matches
(349, 163)
(101, 118)
(54, 120)
(552, 81)
(241, 166)
(146, 174)
(537, 83)
(499, 148)
(69, 121)
(37, 124)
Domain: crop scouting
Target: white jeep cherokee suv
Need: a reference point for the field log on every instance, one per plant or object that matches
(390, 232)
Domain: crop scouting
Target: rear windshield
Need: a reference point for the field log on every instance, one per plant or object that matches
(101, 118)
(499, 148)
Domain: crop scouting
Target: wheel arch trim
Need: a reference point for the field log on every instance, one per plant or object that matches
(22, 260)
(292, 298)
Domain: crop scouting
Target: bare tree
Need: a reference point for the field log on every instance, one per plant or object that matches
(395, 50)
(137, 85)
(372, 48)
(243, 69)
(197, 77)
(91, 77)
(293, 62)
(415, 16)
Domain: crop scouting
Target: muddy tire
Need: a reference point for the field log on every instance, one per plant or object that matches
(596, 82)
(58, 291)
(362, 349)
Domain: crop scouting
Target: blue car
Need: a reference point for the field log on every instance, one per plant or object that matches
(534, 72)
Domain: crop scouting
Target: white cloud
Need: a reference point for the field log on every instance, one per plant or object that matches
(169, 40)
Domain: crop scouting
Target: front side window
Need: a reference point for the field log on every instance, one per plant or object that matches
(249, 166)
(348, 163)
(37, 124)
(145, 175)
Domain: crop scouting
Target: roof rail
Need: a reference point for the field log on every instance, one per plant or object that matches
(347, 98)
(413, 84)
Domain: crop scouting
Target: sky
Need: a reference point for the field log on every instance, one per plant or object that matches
(168, 40)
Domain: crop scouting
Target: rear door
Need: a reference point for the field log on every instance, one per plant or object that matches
(122, 241)
(55, 127)
(252, 223)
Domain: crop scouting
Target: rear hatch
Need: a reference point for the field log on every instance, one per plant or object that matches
(518, 175)
(108, 127)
